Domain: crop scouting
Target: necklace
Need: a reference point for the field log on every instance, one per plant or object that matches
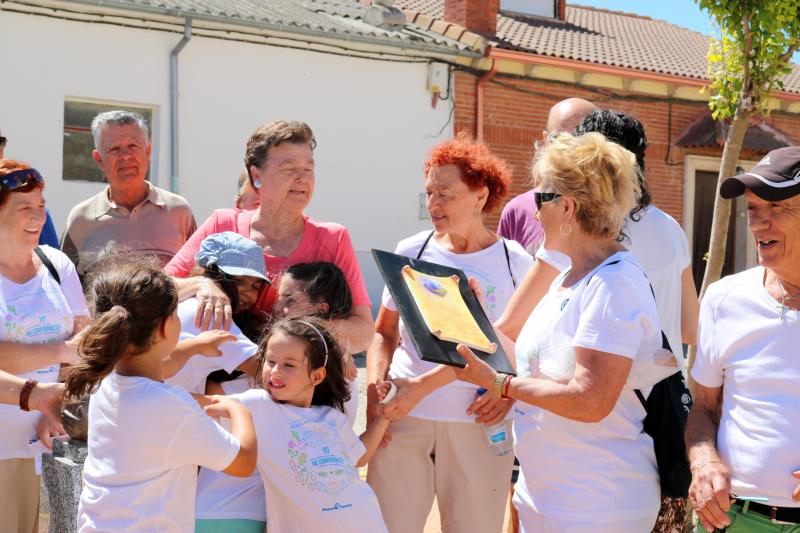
(783, 307)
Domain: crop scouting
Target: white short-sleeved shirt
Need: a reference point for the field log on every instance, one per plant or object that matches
(38, 311)
(490, 267)
(746, 349)
(661, 248)
(595, 471)
(306, 457)
(192, 376)
(224, 497)
(146, 440)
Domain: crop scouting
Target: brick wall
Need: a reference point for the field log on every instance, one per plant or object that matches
(514, 120)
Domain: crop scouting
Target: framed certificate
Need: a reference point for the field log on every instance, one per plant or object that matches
(440, 311)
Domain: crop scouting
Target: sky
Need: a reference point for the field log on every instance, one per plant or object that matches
(684, 13)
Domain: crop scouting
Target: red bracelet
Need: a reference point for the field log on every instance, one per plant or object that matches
(506, 382)
(25, 394)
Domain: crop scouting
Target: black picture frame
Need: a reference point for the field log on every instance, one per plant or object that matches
(427, 345)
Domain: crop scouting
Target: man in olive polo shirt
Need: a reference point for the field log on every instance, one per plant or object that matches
(130, 213)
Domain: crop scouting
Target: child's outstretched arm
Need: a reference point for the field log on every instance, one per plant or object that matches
(372, 436)
(206, 344)
(241, 427)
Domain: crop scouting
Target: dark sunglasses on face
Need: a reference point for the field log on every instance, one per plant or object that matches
(542, 197)
(20, 178)
(3, 141)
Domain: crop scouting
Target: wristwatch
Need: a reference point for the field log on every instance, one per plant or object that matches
(497, 386)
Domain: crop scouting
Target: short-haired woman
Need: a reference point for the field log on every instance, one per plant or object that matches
(39, 314)
(586, 463)
(463, 180)
(280, 161)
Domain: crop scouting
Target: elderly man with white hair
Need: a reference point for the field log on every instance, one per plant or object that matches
(130, 213)
(744, 428)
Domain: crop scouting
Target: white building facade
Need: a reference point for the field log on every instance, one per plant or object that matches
(369, 103)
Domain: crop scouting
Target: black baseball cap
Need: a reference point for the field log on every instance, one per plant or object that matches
(774, 178)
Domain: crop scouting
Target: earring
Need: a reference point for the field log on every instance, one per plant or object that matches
(563, 231)
(257, 183)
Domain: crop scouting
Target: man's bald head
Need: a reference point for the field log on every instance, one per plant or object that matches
(567, 114)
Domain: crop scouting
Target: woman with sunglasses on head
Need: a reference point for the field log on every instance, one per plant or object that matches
(42, 306)
(463, 180)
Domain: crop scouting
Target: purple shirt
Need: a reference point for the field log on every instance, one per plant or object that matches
(517, 223)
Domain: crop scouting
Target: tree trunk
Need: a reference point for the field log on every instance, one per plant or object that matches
(722, 213)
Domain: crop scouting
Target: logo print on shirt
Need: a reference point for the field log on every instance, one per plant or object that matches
(317, 459)
(564, 304)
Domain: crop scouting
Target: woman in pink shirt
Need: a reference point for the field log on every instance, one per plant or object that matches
(280, 162)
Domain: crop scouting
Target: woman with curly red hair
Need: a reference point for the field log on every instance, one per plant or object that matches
(463, 180)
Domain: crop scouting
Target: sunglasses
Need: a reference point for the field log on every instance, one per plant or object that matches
(20, 178)
(542, 197)
(3, 141)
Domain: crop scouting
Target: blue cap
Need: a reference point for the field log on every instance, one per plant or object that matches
(233, 254)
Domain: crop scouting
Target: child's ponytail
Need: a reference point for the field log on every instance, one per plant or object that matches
(103, 344)
(130, 304)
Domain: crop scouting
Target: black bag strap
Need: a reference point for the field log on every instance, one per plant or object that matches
(48, 264)
(508, 263)
(505, 249)
(425, 244)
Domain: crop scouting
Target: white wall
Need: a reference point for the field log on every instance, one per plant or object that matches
(373, 120)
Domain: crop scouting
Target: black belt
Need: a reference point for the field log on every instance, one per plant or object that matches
(789, 515)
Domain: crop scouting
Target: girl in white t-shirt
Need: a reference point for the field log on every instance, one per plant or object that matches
(320, 289)
(308, 454)
(223, 502)
(146, 437)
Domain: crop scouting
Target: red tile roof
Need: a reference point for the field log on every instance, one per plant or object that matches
(603, 37)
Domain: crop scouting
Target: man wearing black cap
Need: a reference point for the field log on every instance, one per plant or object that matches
(743, 432)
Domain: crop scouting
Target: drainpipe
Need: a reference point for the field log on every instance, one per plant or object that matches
(173, 103)
(479, 100)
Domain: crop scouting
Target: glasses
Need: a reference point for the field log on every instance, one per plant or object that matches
(20, 178)
(542, 197)
(3, 141)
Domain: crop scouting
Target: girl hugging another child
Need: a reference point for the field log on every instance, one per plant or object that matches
(146, 437)
(308, 454)
(237, 265)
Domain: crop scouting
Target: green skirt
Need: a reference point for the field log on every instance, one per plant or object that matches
(235, 525)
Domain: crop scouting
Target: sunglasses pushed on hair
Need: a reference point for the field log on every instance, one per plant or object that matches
(541, 197)
(20, 178)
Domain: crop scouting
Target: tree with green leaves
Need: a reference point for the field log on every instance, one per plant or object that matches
(747, 62)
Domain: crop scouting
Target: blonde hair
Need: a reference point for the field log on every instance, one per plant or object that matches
(599, 175)
(241, 186)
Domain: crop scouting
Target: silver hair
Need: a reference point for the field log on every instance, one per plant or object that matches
(118, 117)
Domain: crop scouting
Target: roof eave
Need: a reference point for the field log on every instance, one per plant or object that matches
(278, 28)
(531, 58)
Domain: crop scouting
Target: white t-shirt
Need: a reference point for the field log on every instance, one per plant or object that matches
(306, 457)
(598, 471)
(746, 349)
(224, 497)
(192, 376)
(661, 248)
(146, 440)
(37, 311)
(490, 268)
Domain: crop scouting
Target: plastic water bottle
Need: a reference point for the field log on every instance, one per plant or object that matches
(497, 434)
